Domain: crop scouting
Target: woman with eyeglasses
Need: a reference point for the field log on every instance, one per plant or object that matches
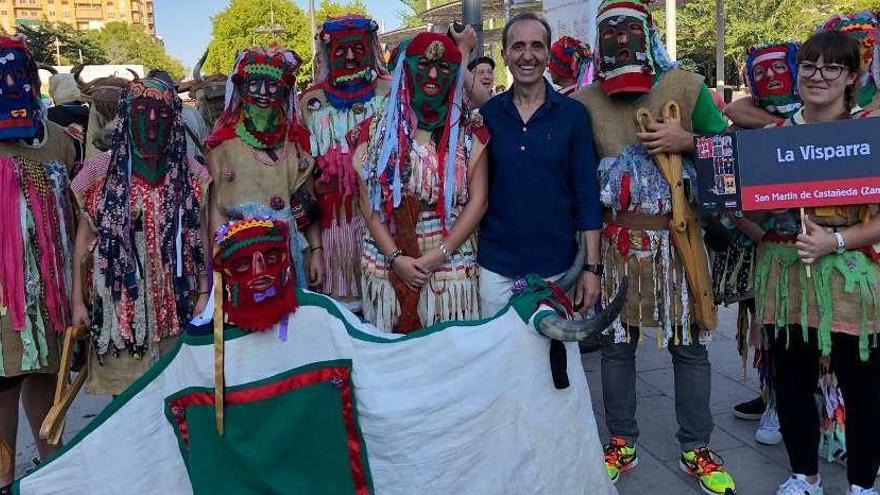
(830, 317)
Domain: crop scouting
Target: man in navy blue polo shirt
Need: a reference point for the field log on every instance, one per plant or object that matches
(543, 186)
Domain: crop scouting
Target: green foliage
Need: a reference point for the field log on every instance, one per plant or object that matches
(236, 29)
(329, 8)
(41, 40)
(747, 23)
(125, 43)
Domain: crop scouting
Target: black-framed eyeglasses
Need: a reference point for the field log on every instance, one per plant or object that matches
(828, 72)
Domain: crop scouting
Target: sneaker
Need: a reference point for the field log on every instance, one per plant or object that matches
(768, 430)
(751, 410)
(708, 467)
(620, 457)
(798, 485)
(857, 490)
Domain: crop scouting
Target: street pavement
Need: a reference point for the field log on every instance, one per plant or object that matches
(757, 469)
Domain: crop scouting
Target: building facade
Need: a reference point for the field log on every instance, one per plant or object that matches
(81, 14)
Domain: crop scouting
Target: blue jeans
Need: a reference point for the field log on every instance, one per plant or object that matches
(693, 384)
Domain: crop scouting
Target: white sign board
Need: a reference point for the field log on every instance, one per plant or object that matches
(575, 18)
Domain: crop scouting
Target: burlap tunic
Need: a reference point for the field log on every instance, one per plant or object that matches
(658, 295)
(57, 147)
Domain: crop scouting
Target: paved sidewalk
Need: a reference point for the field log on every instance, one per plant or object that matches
(758, 469)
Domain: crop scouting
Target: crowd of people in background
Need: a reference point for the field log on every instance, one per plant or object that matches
(417, 192)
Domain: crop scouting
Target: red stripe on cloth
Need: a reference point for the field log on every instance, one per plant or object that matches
(813, 193)
(340, 378)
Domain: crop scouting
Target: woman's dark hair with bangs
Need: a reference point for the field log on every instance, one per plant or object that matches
(834, 47)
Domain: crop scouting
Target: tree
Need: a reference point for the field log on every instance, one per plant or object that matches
(126, 43)
(747, 23)
(72, 44)
(240, 25)
(330, 8)
(236, 28)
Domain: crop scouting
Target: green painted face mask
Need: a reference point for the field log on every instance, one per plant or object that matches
(431, 81)
(150, 131)
(262, 124)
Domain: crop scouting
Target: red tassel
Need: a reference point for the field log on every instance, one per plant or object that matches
(625, 191)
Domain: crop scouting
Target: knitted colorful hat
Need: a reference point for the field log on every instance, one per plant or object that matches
(865, 28)
(566, 57)
(771, 75)
(273, 63)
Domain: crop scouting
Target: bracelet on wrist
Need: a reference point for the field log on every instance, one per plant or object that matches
(443, 249)
(393, 256)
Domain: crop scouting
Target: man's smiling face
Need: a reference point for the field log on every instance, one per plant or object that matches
(527, 51)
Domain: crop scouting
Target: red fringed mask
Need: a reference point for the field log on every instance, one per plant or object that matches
(254, 259)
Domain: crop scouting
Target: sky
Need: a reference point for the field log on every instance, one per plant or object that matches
(186, 34)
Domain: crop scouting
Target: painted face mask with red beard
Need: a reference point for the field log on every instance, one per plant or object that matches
(432, 64)
(771, 73)
(255, 261)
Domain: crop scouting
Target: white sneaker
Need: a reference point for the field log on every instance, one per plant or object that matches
(857, 490)
(768, 430)
(798, 485)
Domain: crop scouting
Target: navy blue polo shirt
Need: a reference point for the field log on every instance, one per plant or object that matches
(543, 186)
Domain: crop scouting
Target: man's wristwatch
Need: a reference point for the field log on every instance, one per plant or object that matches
(596, 269)
(841, 244)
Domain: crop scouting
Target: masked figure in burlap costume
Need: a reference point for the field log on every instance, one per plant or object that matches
(257, 153)
(633, 72)
(35, 238)
(351, 87)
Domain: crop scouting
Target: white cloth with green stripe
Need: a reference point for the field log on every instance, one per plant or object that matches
(467, 408)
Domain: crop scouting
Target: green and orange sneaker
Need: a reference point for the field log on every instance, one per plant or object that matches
(708, 468)
(620, 457)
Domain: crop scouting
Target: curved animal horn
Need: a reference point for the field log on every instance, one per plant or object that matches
(556, 327)
(197, 70)
(77, 71)
(134, 74)
(570, 277)
(48, 68)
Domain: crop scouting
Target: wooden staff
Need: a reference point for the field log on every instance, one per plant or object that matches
(685, 230)
(219, 377)
(53, 423)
